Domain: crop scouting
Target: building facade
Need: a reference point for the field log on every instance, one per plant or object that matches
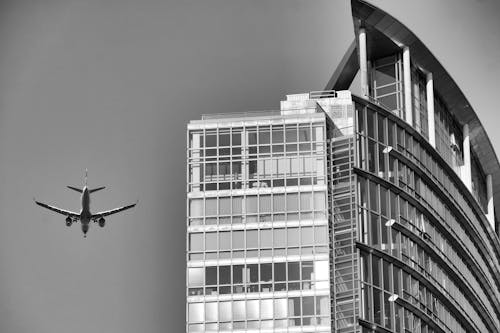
(340, 213)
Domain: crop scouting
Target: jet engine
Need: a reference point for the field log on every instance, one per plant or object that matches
(102, 222)
(68, 221)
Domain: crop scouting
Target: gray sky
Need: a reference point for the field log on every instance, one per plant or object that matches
(110, 85)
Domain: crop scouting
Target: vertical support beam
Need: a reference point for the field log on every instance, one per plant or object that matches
(489, 195)
(363, 68)
(430, 110)
(466, 171)
(407, 85)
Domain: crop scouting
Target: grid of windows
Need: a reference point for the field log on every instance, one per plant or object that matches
(259, 277)
(257, 156)
(254, 314)
(396, 170)
(258, 236)
(387, 167)
(264, 206)
(251, 243)
(381, 279)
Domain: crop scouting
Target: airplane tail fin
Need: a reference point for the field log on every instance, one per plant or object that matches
(75, 189)
(97, 189)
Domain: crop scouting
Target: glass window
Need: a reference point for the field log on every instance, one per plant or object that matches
(225, 311)
(253, 309)
(320, 234)
(266, 238)
(265, 203)
(238, 237)
(239, 310)
(196, 207)
(211, 313)
(293, 271)
(236, 138)
(196, 312)
(291, 133)
(279, 202)
(294, 306)
(307, 270)
(252, 239)
(266, 272)
(293, 237)
(305, 201)
(307, 235)
(292, 203)
(224, 274)
(308, 306)
(280, 271)
(196, 276)
(225, 240)
(211, 276)
(319, 200)
(280, 308)
(238, 273)
(251, 204)
(237, 205)
(225, 206)
(266, 309)
(211, 241)
(211, 206)
(253, 272)
(196, 242)
(279, 237)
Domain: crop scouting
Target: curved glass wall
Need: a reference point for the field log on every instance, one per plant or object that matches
(407, 213)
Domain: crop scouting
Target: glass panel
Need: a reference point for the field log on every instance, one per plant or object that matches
(266, 238)
(280, 308)
(196, 276)
(225, 240)
(211, 206)
(211, 241)
(196, 207)
(280, 271)
(252, 239)
(196, 242)
(238, 239)
(293, 271)
(211, 313)
(279, 238)
(196, 312)
(293, 237)
(253, 309)
(239, 310)
(266, 309)
(225, 311)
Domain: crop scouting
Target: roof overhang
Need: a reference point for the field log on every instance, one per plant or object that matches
(382, 24)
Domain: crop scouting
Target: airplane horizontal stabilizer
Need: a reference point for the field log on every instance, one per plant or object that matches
(75, 189)
(97, 189)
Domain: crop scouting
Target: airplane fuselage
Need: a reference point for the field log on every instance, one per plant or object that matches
(85, 214)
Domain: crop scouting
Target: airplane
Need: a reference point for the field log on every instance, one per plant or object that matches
(85, 216)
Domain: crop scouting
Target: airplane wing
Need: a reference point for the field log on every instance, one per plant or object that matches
(58, 210)
(113, 211)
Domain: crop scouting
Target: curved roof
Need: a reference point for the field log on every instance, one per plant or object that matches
(382, 27)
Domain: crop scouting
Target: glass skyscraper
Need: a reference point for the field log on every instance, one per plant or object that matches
(340, 213)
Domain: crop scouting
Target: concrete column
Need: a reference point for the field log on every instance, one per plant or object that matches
(466, 169)
(407, 85)
(363, 62)
(430, 110)
(489, 195)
